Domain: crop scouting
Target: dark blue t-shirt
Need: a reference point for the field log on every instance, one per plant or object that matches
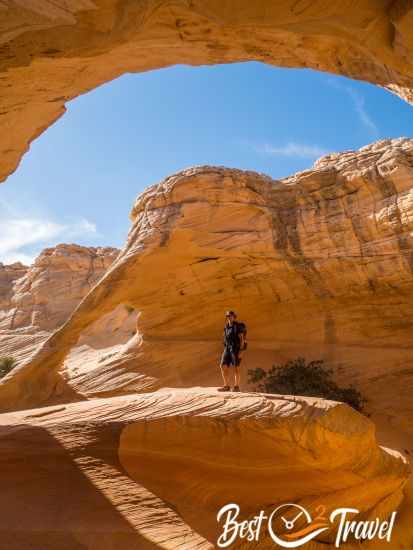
(231, 337)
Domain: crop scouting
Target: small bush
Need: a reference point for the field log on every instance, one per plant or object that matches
(130, 309)
(7, 363)
(313, 379)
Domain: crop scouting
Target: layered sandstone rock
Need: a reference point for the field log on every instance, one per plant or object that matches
(318, 265)
(151, 471)
(9, 274)
(51, 52)
(36, 300)
(47, 292)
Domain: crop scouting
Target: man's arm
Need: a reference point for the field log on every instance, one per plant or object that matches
(241, 341)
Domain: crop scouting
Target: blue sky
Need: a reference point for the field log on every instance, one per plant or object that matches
(79, 179)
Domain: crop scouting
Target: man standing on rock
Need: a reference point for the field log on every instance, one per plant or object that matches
(234, 344)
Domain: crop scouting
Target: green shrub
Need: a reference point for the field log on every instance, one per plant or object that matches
(296, 377)
(7, 363)
(130, 309)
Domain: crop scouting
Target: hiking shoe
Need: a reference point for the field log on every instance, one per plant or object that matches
(224, 388)
(236, 389)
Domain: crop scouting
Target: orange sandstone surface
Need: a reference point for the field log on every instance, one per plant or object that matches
(151, 471)
(318, 264)
(36, 300)
(53, 51)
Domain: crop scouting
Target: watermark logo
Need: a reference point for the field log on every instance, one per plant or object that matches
(294, 539)
(291, 525)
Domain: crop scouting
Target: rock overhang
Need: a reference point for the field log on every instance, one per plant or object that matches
(53, 53)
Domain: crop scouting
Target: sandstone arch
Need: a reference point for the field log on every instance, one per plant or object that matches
(51, 52)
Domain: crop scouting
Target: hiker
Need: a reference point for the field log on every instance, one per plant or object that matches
(234, 343)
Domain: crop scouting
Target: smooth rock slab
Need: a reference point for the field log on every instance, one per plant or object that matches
(150, 471)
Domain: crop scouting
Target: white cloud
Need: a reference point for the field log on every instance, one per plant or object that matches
(292, 149)
(13, 257)
(85, 225)
(359, 106)
(21, 239)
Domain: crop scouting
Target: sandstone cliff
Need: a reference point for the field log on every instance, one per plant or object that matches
(51, 52)
(151, 471)
(9, 274)
(319, 264)
(36, 300)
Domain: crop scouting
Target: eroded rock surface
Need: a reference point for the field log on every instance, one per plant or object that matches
(150, 471)
(36, 300)
(51, 52)
(318, 264)
(9, 274)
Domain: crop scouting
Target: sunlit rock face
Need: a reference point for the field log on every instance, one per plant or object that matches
(36, 300)
(318, 264)
(53, 51)
(9, 274)
(66, 272)
(151, 471)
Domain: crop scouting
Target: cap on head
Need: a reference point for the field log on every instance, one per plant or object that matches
(230, 313)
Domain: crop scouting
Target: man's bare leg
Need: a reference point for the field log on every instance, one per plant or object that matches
(225, 375)
(237, 376)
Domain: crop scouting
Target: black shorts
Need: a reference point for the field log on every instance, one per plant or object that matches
(230, 358)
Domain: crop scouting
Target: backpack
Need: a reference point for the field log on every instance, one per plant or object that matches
(242, 329)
